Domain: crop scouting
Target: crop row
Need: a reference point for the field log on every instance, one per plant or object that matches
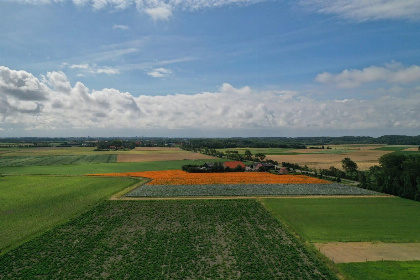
(55, 160)
(246, 190)
(179, 177)
(197, 239)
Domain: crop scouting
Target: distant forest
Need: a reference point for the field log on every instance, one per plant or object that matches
(295, 142)
(220, 143)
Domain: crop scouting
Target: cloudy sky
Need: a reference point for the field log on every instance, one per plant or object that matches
(209, 68)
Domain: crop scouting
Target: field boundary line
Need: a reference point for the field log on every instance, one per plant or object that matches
(243, 197)
(141, 181)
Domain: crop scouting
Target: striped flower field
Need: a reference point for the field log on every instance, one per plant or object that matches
(179, 177)
(177, 183)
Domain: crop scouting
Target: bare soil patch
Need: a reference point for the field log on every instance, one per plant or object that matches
(363, 156)
(346, 252)
(160, 154)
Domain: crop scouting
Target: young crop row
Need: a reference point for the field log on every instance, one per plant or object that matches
(55, 160)
(197, 239)
(246, 190)
(179, 177)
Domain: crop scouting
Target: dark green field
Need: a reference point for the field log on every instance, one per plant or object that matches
(351, 219)
(196, 239)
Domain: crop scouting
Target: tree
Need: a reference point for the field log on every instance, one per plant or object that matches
(349, 165)
(260, 156)
(248, 155)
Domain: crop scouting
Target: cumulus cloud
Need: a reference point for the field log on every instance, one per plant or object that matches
(362, 10)
(391, 73)
(160, 73)
(56, 104)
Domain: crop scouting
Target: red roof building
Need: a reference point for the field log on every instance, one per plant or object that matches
(233, 164)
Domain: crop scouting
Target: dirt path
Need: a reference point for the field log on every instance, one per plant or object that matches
(346, 252)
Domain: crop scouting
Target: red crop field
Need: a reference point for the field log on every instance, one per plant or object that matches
(179, 177)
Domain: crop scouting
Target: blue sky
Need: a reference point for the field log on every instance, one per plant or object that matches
(217, 68)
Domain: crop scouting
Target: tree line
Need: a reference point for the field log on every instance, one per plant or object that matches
(397, 174)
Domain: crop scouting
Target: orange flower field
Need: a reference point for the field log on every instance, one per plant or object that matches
(179, 177)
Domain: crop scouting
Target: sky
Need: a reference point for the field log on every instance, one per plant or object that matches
(209, 68)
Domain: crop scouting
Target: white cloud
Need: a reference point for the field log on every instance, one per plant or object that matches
(160, 73)
(52, 103)
(391, 73)
(362, 10)
(79, 66)
(94, 69)
(120, 26)
(107, 70)
(159, 13)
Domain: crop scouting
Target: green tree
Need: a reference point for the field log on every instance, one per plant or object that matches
(349, 165)
(248, 155)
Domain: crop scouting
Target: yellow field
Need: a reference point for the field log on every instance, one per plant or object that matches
(364, 156)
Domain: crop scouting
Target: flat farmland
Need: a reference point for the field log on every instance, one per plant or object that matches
(30, 205)
(364, 156)
(195, 239)
(367, 238)
(159, 154)
(365, 219)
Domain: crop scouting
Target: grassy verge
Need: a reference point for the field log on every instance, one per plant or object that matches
(385, 270)
(350, 219)
(197, 239)
(30, 205)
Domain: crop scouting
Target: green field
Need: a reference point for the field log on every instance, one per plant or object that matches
(350, 219)
(266, 151)
(56, 160)
(29, 205)
(195, 239)
(83, 169)
(384, 270)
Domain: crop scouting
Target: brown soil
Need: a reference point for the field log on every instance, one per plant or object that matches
(346, 252)
(159, 154)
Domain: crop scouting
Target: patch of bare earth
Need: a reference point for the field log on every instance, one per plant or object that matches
(159, 154)
(364, 158)
(347, 252)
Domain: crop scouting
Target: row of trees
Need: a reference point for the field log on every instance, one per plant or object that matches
(217, 167)
(397, 174)
(235, 155)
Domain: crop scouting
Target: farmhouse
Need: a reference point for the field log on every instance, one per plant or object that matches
(283, 170)
(263, 166)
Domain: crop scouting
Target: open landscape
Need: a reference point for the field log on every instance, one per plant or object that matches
(210, 139)
(151, 219)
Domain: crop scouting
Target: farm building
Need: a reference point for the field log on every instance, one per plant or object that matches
(283, 170)
(263, 166)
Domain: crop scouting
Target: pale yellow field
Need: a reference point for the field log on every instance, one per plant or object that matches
(364, 156)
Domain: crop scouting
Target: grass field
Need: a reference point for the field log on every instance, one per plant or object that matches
(29, 205)
(82, 169)
(196, 239)
(384, 270)
(350, 219)
(56, 160)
